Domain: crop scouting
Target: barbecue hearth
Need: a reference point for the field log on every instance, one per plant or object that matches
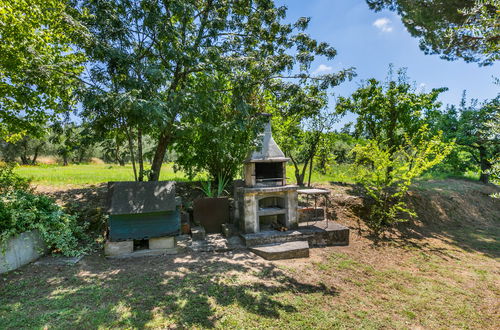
(266, 202)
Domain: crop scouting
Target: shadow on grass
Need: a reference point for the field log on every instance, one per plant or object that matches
(149, 292)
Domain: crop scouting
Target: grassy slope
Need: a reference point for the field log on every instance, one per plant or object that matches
(443, 275)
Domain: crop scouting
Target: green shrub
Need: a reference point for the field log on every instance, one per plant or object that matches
(10, 181)
(21, 210)
(387, 175)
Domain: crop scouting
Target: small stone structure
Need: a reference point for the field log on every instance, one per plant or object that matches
(266, 208)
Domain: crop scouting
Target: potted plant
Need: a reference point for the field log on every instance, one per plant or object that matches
(213, 210)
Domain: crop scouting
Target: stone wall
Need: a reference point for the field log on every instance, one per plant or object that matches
(21, 250)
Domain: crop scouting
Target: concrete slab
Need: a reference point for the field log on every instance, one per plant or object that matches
(167, 242)
(145, 253)
(58, 261)
(118, 248)
(321, 234)
(278, 251)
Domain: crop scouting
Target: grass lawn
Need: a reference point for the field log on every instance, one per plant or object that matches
(85, 174)
(88, 174)
(346, 287)
(443, 274)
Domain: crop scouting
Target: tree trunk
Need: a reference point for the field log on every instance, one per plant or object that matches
(35, 156)
(299, 178)
(131, 149)
(161, 149)
(81, 155)
(118, 159)
(485, 165)
(139, 156)
(310, 172)
(25, 160)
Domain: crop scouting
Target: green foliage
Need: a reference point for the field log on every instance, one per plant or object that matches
(493, 132)
(38, 64)
(218, 130)
(468, 125)
(466, 29)
(400, 146)
(72, 142)
(482, 27)
(387, 174)
(27, 149)
(300, 124)
(21, 210)
(334, 149)
(388, 111)
(220, 189)
(147, 55)
(10, 181)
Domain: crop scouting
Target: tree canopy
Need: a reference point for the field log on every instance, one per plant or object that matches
(39, 65)
(467, 29)
(387, 111)
(146, 56)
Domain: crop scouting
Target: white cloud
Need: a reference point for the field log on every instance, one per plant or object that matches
(323, 68)
(422, 85)
(383, 24)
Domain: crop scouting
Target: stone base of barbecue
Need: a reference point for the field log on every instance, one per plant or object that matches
(320, 234)
(250, 207)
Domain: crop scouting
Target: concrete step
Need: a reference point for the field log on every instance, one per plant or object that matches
(272, 237)
(322, 234)
(278, 251)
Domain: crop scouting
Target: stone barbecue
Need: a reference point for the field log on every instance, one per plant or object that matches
(266, 201)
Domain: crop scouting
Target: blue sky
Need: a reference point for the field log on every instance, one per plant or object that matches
(370, 41)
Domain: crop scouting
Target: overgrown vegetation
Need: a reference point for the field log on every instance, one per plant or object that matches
(22, 210)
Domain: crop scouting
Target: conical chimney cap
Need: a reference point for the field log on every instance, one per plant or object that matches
(269, 150)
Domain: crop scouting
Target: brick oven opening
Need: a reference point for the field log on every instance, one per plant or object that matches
(269, 173)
